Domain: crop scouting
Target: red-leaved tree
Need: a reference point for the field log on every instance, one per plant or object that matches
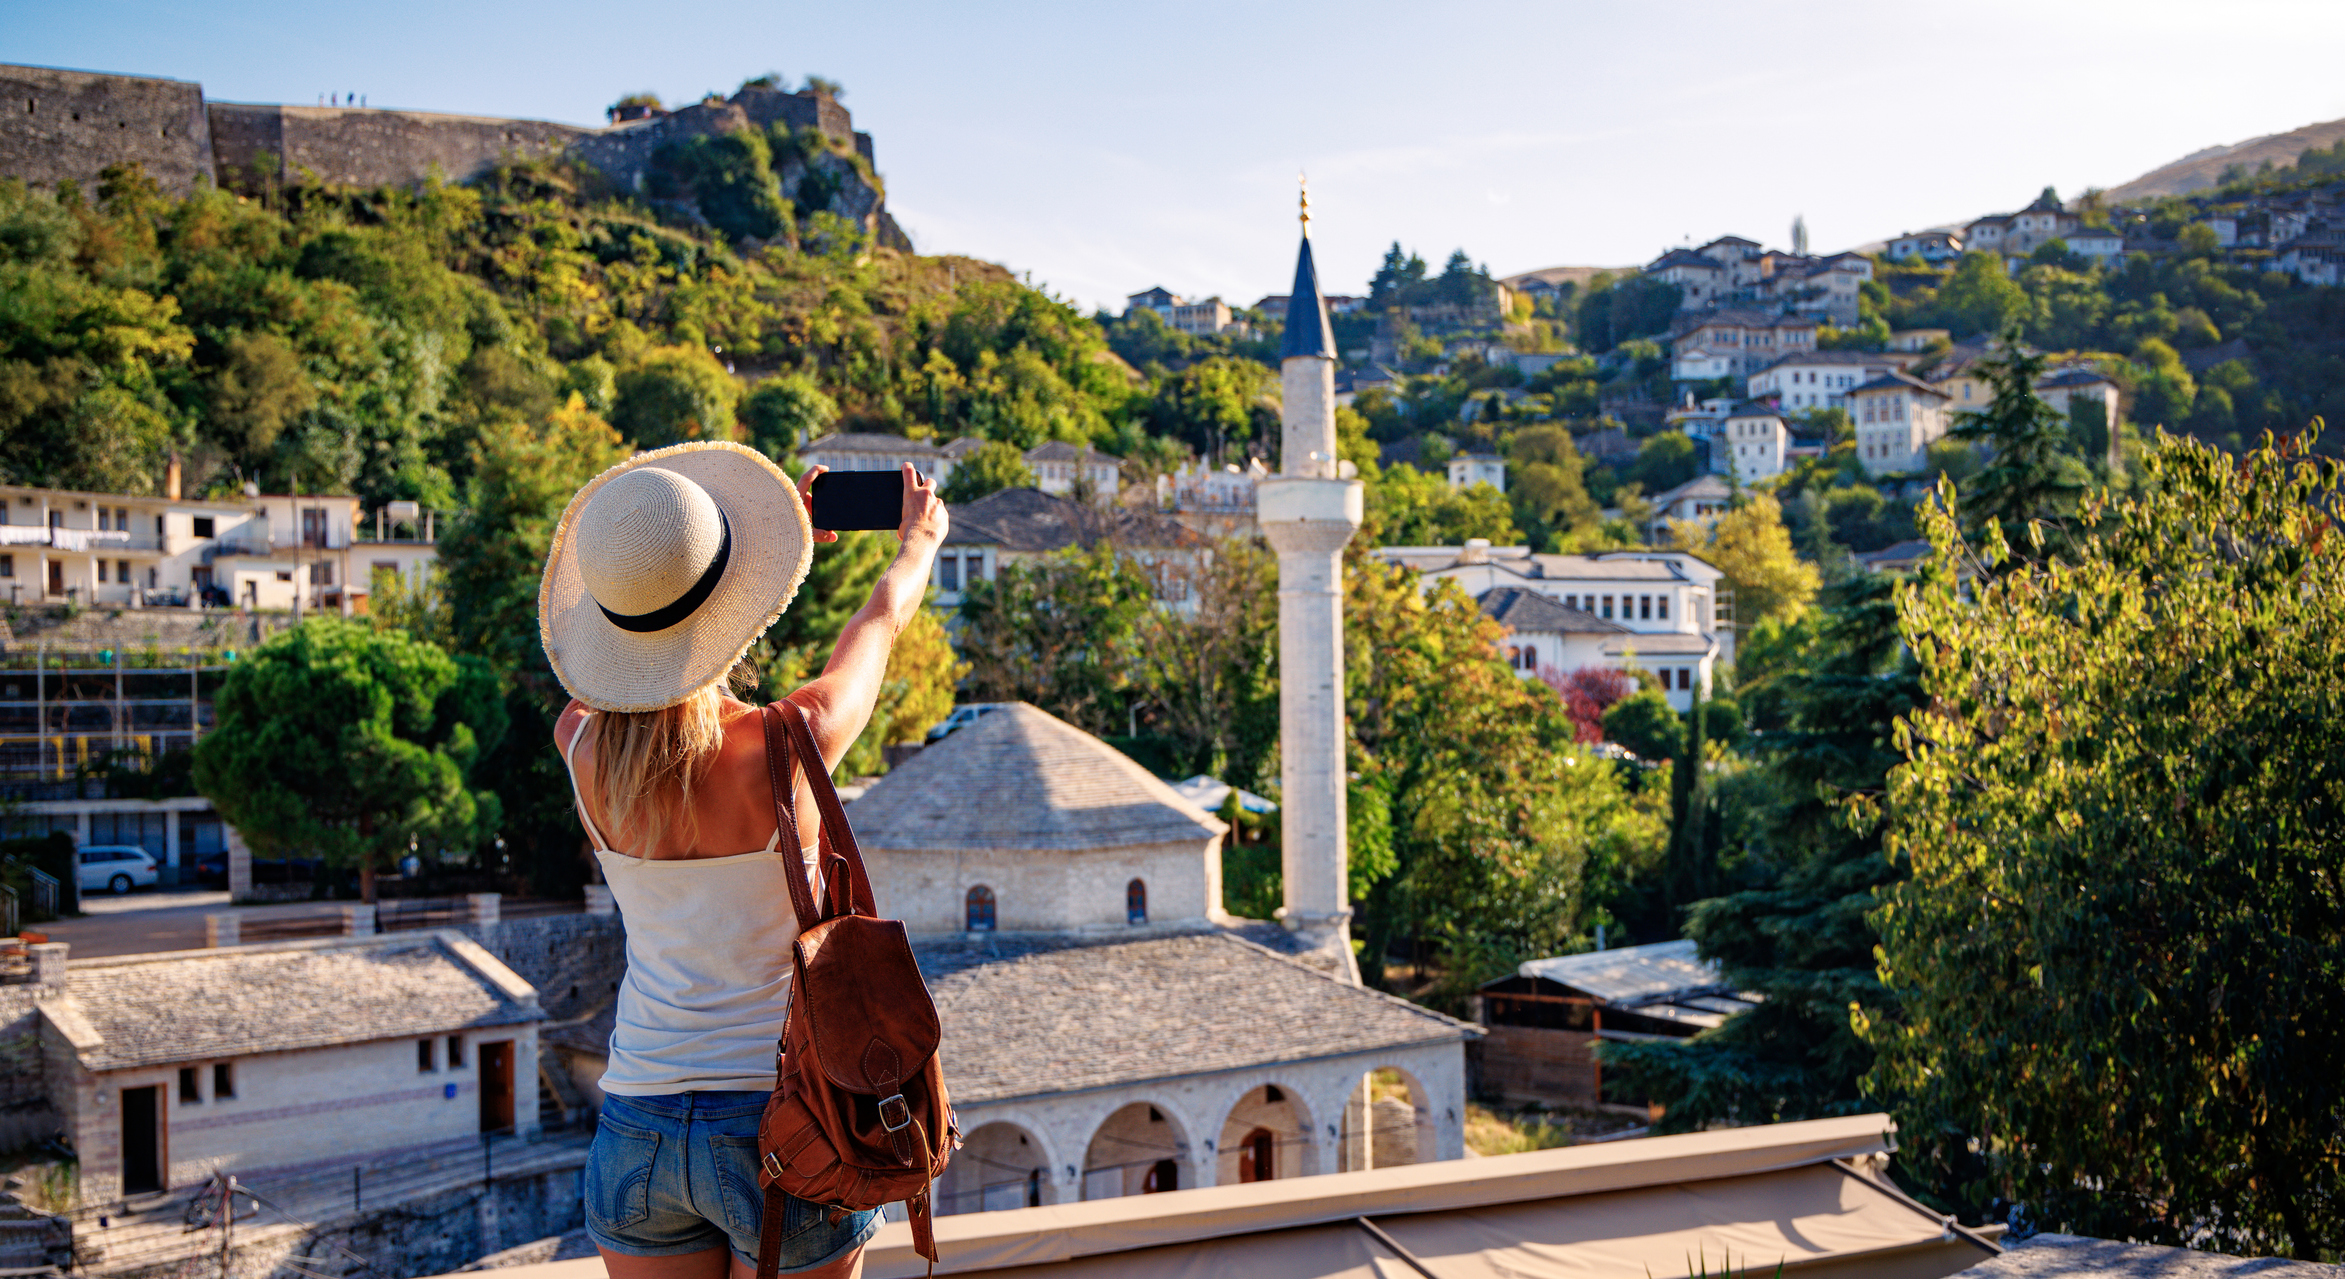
(1587, 693)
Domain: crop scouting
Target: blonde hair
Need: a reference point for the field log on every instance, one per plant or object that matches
(647, 762)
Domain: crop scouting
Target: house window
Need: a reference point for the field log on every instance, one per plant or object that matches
(105, 521)
(948, 572)
(455, 1052)
(284, 575)
(321, 573)
(189, 1093)
(1530, 657)
(427, 1056)
(980, 909)
(1644, 608)
(223, 1080)
(1661, 604)
(122, 519)
(203, 525)
(1607, 606)
(1136, 902)
(122, 571)
(1571, 601)
(7, 566)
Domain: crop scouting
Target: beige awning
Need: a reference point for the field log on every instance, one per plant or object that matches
(1787, 1193)
(1800, 1195)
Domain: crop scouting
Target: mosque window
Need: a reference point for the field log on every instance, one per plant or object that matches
(1136, 902)
(980, 903)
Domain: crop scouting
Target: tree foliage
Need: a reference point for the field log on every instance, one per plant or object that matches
(1057, 632)
(986, 470)
(2117, 959)
(340, 741)
(1751, 546)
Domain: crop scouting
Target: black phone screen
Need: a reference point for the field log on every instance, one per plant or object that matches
(846, 500)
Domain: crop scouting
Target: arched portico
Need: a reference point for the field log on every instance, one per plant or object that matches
(1387, 1121)
(1266, 1135)
(999, 1165)
(1140, 1148)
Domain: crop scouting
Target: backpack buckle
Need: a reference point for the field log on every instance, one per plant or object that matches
(900, 1119)
(773, 1166)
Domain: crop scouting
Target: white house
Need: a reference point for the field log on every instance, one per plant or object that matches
(2102, 245)
(1022, 524)
(1751, 338)
(1468, 469)
(1648, 593)
(1757, 442)
(1214, 501)
(1060, 469)
(145, 551)
(1929, 246)
(1543, 634)
(169, 1067)
(1701, 280)
(879, 451)
(1805, 380)
(1701, 364)
(1704, 498)
(1898, 416)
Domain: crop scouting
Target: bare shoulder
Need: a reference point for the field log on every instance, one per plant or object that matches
(572, 719)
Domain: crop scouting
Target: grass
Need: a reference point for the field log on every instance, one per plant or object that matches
(1494, 1132)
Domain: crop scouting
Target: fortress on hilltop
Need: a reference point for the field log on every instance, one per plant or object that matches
(57, 125)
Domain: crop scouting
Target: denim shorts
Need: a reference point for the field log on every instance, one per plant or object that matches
(678, 1173)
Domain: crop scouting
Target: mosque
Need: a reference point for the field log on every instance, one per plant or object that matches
(1109, 1030)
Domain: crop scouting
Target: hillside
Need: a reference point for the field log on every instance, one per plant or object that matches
(1562, 275)
(2202, 169)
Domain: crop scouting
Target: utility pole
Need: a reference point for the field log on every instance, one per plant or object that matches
(227, 1223)
(296, 553)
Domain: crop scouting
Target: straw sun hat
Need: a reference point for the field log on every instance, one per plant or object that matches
(665, 569)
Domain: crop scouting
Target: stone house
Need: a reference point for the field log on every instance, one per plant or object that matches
(265, 1058)
(1060, 469)
(1750, 338)
(1469, 469)
(1024, 524)
(1930, 246)
(1757, 442)
(1898, 416)
(1543, 633)
(1022, 822)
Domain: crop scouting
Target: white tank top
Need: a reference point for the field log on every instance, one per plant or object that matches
(708, 964)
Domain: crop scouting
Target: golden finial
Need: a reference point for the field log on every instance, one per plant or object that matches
(1303, 182)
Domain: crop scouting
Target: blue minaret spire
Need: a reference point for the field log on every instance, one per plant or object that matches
(1307, 331)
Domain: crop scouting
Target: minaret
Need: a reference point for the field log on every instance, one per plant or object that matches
(1307, 512)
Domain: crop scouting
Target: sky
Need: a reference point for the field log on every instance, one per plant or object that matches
(1105, 148)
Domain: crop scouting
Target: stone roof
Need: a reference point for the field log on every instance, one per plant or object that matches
(1698, 487)
(870, 442)
(1868, 359)
(1028, 519)
(2076, 1257)
(2071, 377)
(1519, 608)
(195, 1005)
(1023, 779)
(1029, 1015)
(1899, 380)
(1061, 451)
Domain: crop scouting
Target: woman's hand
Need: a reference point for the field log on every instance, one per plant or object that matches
(924, 512)
(806, 495)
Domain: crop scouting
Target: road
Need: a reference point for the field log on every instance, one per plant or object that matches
(152, 920)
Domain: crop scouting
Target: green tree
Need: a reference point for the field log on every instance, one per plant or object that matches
(1833, 687)
(916, 693)
(1646, 725)
(786, 411)
(1750, 545)
(2030, 475)
(1663, 462)
(986, 470)
(1548, 488)
(1979, 296)
(344, 742)
(2124, 809)
(672, 394)
(1409, 507)
(1058, 632)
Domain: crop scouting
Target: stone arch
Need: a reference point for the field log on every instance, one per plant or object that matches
(1387, 1121)
(1135, 1150)
(1279, 1112)
(1001, 1164)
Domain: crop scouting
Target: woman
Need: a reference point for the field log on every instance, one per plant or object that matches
(663, 572)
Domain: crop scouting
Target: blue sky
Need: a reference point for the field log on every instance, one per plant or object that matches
(1108, 147)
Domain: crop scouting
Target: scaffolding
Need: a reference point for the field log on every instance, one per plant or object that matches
(67, 712)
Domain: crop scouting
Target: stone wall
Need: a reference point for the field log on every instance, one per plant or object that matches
(350, 146)
(26, 1117)
(69, 125)
(575, 961)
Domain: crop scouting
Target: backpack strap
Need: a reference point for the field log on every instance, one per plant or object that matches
(837, 836)
(769, 1233)
(779, 769)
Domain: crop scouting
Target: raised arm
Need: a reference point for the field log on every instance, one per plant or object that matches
(839, 701)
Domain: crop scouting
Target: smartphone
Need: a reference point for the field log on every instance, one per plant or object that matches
(845, 500)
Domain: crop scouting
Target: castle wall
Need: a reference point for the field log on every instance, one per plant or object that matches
(59, 125)
(354, 146)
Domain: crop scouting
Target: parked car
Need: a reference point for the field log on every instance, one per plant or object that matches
(962, 717)
(118, 868)
(212, 868)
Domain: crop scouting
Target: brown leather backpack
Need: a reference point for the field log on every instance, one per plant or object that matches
(859, 1116)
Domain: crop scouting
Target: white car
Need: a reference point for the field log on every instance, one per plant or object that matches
(118, 868)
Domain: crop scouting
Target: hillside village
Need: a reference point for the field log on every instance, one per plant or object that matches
(1443, 745)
